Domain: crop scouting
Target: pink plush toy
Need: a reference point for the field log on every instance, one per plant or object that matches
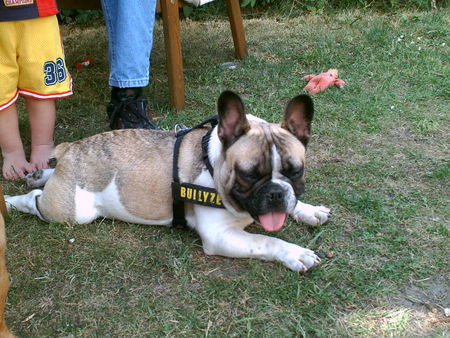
(318, 83)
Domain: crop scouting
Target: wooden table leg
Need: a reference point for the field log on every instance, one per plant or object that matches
(171, 24)
(4, 280)
(237, 28)
(3, 210)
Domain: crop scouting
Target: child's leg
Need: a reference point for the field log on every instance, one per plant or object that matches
(14, 163)
(42, 114)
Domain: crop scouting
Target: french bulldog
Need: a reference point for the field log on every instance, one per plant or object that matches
(257, 170)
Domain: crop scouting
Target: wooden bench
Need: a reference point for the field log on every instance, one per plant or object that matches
(169, 10)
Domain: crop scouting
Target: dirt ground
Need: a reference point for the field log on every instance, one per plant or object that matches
(428, 302)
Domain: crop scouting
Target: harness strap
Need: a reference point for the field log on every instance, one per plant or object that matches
(205, 142)
(193, 193)
(179, 219)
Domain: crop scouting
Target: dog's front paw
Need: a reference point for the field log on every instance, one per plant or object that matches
(310, 214)
(300, 259)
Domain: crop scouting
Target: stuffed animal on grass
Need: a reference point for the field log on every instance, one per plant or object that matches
(318, 83)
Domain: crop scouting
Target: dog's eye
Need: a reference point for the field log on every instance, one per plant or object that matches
(294, 173)
(250, 176)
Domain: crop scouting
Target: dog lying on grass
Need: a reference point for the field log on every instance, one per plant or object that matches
(240, 171)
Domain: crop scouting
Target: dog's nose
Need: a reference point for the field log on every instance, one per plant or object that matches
(275, 196)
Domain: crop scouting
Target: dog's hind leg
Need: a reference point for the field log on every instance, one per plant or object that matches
(25, 203)
(38, 178)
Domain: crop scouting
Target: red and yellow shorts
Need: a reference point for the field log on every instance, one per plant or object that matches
(32, 61)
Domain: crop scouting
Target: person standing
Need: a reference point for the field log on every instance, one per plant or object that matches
(130, 38)
(32, 65)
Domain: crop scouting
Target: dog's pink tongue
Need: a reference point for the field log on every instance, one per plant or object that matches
(272, 221)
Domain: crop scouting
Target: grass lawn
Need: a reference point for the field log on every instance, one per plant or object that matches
(378, 157)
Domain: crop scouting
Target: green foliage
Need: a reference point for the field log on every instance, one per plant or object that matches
(82, 17)
(321, 5)
(253, 3)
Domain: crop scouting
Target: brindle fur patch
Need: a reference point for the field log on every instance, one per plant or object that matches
(139, 160)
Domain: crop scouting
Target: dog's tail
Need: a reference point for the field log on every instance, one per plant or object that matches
(60, 149)
(58, 152)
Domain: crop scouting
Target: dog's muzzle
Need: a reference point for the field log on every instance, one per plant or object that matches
(268, 205)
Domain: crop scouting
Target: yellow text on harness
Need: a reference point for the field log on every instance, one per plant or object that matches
(196, 194)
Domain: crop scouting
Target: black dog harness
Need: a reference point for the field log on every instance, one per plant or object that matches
(188, 192)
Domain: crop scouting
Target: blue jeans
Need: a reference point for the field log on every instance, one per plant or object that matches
(130, 38)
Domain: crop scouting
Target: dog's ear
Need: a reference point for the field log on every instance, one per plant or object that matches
(232, 120)
(298, 116)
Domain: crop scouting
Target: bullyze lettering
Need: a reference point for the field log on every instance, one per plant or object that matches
(197, 194)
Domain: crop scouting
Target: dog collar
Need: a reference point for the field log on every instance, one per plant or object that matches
(188, 192)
